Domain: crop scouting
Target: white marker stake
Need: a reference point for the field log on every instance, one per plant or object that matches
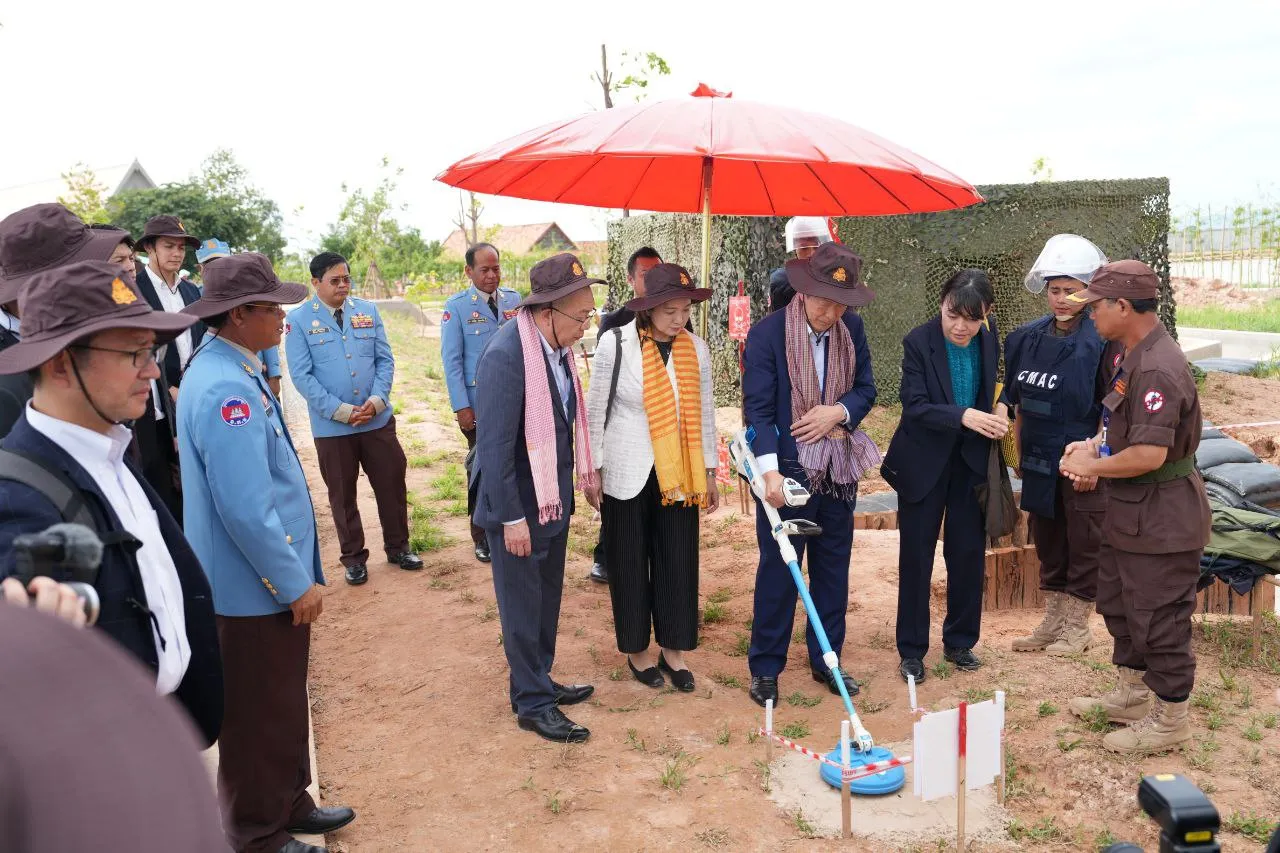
(960, 772)
(768, 727)
(846, 799)
(911, 692)
(1000, 786)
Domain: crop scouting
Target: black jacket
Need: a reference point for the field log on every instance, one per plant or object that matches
(123, 615)
(930, 425)
(190, 293)
(15, 389)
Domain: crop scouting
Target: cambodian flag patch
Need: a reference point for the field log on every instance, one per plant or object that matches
(235, 411)
(446, 317)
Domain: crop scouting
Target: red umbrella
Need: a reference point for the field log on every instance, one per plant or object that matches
(713, 155)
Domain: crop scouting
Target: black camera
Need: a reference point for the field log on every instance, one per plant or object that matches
(67, 553)
(1188, 820)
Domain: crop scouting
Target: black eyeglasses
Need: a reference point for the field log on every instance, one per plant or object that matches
(141, 357)
(263, 306)
(580, 320)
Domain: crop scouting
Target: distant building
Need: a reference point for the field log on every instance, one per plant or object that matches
(116, 179)
(516, 240)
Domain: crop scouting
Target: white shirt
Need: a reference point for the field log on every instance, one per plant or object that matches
(103, 457)
(171, 301)
(10, 322)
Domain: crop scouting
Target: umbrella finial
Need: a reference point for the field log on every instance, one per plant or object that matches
(705, 91)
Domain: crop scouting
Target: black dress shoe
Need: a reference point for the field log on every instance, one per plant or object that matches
(850, 683)
(552, 724)
(572, 694)
(406, 560)
(357, 574)
(651, 677)
(913, 667)
(482, 552)
(322, 820)
(681, 678)
(293, 845)
(962, 659)
(598, 573)
(764, 688)
(567, 694)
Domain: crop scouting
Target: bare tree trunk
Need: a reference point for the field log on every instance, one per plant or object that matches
(606, 80)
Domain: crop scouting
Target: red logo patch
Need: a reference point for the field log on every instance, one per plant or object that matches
(1115, 362)
(236, 411)
(288, 327)
(1153, 400)
(445, 318)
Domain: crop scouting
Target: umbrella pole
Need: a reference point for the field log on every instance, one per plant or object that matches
(707, 163)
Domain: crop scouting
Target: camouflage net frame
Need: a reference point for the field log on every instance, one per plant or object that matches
(907, 258)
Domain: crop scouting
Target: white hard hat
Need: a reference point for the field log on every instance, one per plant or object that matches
(1064, 255)
(807, 226)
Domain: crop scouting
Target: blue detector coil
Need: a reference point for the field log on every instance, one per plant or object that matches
(887, 782)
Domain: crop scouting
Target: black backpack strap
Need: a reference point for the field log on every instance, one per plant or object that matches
(34, 473)
(613, 381)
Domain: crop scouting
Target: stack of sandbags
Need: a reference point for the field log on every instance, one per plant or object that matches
(1233, 474)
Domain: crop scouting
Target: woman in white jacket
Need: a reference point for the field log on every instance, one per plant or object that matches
(655, 444)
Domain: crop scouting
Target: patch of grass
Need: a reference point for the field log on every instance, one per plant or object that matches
(795, 730)
(1104, 839)
(1206, 701)
(1251, 826)
(880, 640)
(490, 612)
(1068, 744)
(1253, 734)
(720, 596)
(722, 736)
(414, 419)
(875, 706)
(1268, 721)
(616, 674)
(1263, 317)
(635, 741)
(1215, 721)
(741, 645)
(673, 775)
(974, 695)
(397, 409)
(424, 535)
(419, 460)
(1246, 697)
(803, 826)
(799, 700)
(553, 803)
(1047, 709)
(1045, 829)
(449, 486)
(528, 784)
(942, 669)
(468, 597)
(752, 737)
(766, 774)
(713, 613)
(1228, 679)
(727, 680)
(714, 837)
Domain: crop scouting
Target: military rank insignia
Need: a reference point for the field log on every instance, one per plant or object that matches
(361, 321)
(507, 315)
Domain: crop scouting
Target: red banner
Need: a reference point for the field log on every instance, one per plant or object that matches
(739, 317)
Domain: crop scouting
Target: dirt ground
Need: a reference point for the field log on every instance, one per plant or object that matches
(1199, 292)
(414, 730)
(1230, 399)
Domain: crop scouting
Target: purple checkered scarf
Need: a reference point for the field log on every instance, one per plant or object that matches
(836, 462)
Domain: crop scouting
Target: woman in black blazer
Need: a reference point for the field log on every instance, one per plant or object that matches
(937, 457)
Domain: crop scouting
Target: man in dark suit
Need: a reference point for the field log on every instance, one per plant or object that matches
(166, 242)
(90, 342)
(807, 384)
(523, 507)
(33, 239)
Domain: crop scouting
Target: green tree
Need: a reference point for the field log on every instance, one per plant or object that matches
(86, 197)
(217, 202)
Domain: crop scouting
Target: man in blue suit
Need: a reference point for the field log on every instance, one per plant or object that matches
(249, 518)
(341, 362)
(471, 317)
(807, 384)
(524, 508)
(90, 341)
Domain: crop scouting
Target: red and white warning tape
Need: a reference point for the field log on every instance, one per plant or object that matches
(855, 773)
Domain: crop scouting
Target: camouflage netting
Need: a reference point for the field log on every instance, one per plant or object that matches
(907, 258)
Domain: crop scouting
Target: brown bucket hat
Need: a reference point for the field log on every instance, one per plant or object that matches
(167, 226)
(44, 237)
(557, 277)
(62, 305)
(240, 279)
(1120, 280)
(665, 282)
(830, 273)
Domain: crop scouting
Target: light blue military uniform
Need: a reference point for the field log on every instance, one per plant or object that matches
(335, 367)
(270, 359)
(247, 511)
(465, 330)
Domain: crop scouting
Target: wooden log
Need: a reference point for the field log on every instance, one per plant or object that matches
(1012, 579)
(990, 583)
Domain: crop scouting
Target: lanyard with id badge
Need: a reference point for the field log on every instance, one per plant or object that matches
(1117, 387)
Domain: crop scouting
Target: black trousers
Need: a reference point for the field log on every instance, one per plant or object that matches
(652, 554)
(158, 457)
(264, 763)
(964, 550)
(529, 590)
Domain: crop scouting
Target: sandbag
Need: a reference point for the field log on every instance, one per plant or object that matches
(1259, 482)
(1220, 451)
(1227, 365)
(1208, 430)
(1221, 494)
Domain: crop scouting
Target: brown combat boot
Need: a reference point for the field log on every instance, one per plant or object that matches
(1163, 729)
(1075, 637)
(1128, 703)
(1049, 628)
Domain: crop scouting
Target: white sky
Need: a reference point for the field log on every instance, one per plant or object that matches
(309, 95)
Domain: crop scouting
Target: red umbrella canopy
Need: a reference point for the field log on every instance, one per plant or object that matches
(763, 160)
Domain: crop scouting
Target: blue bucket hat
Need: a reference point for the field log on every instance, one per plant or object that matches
(212, 248)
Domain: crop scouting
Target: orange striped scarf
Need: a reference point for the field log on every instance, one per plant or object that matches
(676, 435)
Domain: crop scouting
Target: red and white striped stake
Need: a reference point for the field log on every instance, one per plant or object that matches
(858, 772)
(767, 731)
(960, 772)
